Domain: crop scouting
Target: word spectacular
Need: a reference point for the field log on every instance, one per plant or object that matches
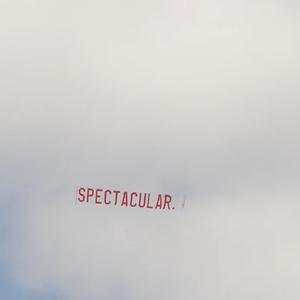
(123, 198)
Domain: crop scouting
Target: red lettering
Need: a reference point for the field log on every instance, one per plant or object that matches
(131, 199)
(105, 197)
(142, 204)
(168, 200)
(158, 202)
(148, 202)
(116, 196)
(81, 193)
(97, 196)
(90, 193)
(125, 199)
(121, 198)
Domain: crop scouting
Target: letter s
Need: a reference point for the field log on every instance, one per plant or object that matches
(81, 193)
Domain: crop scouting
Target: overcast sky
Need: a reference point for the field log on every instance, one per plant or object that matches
(196, 98)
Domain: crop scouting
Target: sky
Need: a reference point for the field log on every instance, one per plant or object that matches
(197, 99)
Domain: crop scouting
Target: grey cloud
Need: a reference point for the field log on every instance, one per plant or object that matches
(196, 99)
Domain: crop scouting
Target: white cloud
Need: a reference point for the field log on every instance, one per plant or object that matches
(198, 99)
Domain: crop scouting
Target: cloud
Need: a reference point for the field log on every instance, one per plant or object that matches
(235, 244)
(198, 99)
